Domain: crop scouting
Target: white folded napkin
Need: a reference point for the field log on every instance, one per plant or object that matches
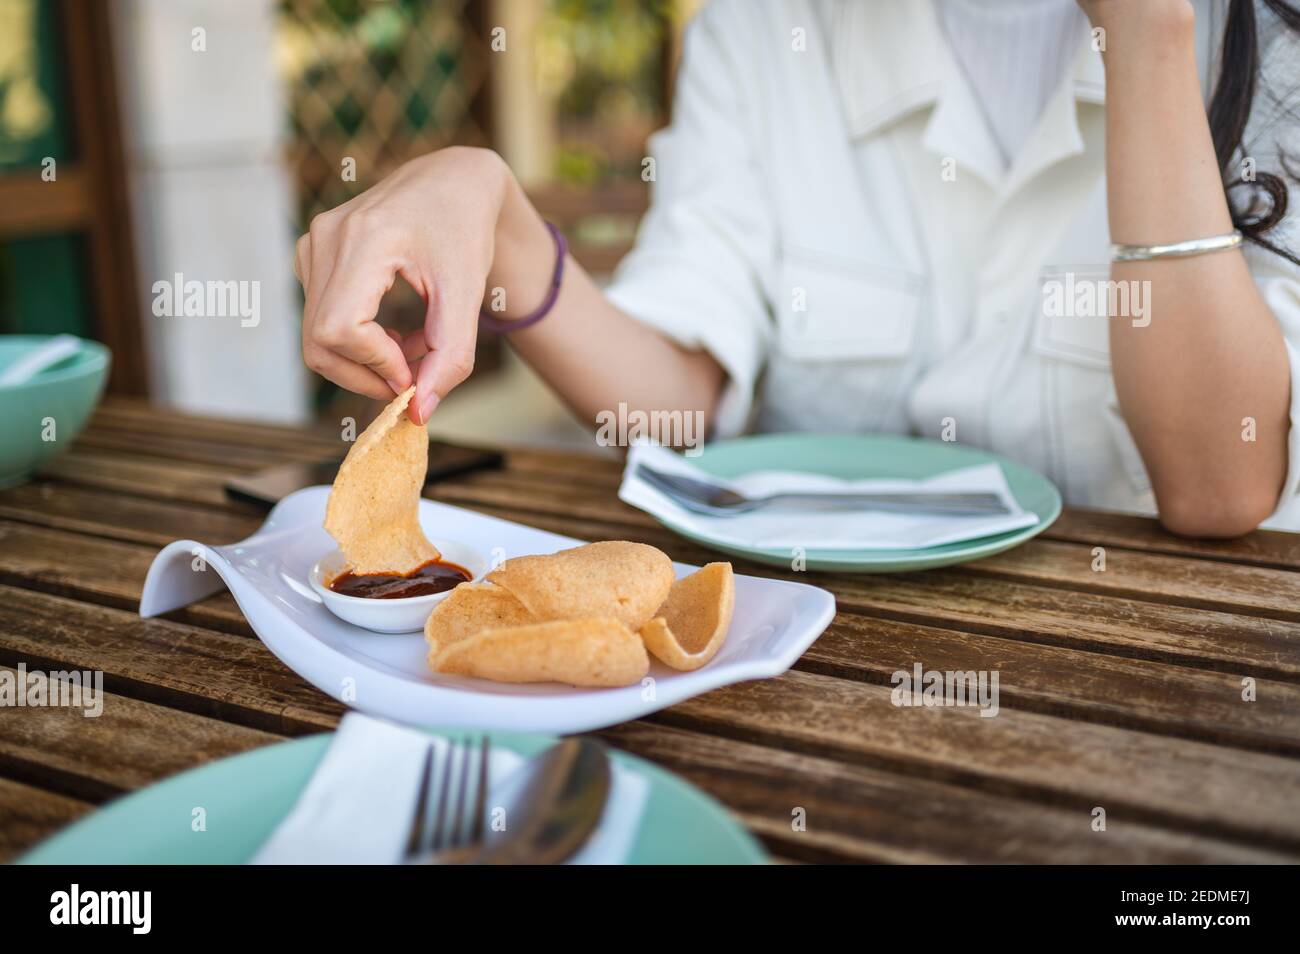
(357, 807)
(824, 529)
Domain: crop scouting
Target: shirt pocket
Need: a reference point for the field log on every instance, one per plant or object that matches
(1087, 439)
(831, 309)
(1068, 329)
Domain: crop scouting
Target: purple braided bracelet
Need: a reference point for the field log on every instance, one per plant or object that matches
(491, 323)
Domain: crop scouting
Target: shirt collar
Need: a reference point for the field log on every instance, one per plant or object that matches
(891, 59)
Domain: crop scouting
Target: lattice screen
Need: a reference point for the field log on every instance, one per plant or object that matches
(379, 81)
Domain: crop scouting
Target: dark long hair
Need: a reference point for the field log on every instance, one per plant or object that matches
(1229, 111)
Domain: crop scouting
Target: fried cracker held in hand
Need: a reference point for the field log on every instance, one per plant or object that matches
(692, 624)
(597, 653)
(612, 579)
(374, 507)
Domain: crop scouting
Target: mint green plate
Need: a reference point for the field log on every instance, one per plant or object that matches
(860, 457)
(247, 795)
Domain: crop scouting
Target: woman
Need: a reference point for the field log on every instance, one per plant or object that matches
(884, 217)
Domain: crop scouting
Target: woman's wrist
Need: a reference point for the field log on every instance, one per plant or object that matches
(1147, 54)
(524, 258)
(1132, 28)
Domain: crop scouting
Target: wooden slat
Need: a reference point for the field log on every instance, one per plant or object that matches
(1227, 587)
(1032, 756)
(1098, 528)
(31, 814)
(126, 474)
(855, 813)
(202, 671)
(238, 457)
(1243, 645)
(529, 495)
(57, 561)
(1039, 757)
(1150, 696)
(136, 419)
(124, 517)
(185, 437)
(140, 417)
(50, 558)
(98, 572)
(88, 490)
(198, 483)
(129, 745)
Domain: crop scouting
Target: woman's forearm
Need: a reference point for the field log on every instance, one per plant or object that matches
(1212, 359)
(592, 354)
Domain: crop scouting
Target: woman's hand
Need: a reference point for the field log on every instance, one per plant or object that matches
(433, 222)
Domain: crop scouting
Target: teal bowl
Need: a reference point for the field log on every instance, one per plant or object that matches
(42, 417)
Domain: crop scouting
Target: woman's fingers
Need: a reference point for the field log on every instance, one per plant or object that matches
(343, 322)
(439, 372)
(368, 346)
(346, 374)
(302, 260)
(350, 374)
(413, 345)
(314, 263)
(358, 355)
(450, 333)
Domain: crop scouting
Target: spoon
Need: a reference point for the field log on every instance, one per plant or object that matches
(34, 362)
(557, 808)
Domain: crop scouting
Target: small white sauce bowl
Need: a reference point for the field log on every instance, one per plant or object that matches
(404, 615)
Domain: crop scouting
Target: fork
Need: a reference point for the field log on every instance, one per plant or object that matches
(457, 836)
(700, 496)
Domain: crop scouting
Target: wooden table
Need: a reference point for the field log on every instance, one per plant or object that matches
(1120, 689)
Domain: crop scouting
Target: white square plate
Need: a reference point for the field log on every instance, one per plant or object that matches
(386, 675)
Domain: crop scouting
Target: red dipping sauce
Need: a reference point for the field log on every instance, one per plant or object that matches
(433, 577)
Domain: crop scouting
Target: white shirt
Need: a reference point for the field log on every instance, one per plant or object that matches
(832, 220)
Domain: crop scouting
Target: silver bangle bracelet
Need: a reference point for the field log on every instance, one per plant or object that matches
(1142, 253)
